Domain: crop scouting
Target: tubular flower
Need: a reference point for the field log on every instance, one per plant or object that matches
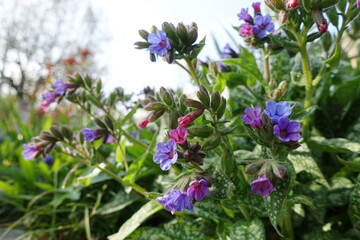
(244, 15)
(176, 200)
(159, 43)
(256, 6)
(143, 123)
(165, 154)
(179, 135)
(198, 189)
(262, 185)
(246, 30)
(30, 151)
(277, 110)
(60, 87)
(252, 116)
(90, 134)
(286, 130)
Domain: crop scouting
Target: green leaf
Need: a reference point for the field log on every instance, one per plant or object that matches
(197, 48)
(222, 184)
(120, 201)
(354, 206)
(336, 145)
(302, 160)
(333, 16)
(8, 189)
(300, 116)
(149, 233)
(234, 79)
(334, 60)
(97, 143)
(253, 230)
(274, 202)
(353, 165)
(341, 188)
(120, 152)
(186, 230)
(220, 83)
(130, 114)
(134, 222)
(208, 209)
(251, 70)
(303, 200)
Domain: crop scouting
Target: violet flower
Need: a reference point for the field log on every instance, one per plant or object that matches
(165, 154)
(244, 15)
(30, 151)
(286, 130)
(60, 87)
(358, 4)
(110, 139)
(179, 135)
(262, 24)
(176, 200)
(49, 98)
(159, 43)
(262, 185)
(48, 160)
(198, 189)
(246, 30)
(277, 110)
(90, 134)
(252, 116)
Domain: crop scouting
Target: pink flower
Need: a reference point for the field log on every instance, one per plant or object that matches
(179, 135)
(358, 4)
(246, 30)
(143, 123)
(290, 4)
(44, 106)
(256, 6)
(184, 121)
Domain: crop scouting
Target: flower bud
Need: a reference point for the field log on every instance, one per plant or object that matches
(193, 35)
(152, 57)
(47, 149)
(283, 85)
(212, 142)
(143, 123)
(276, 94)
(109, 122)
(195, 146)
(55, 130)
(282, 17)
(66, 132)
(144, 34)
(254, 167)
(215, 100)
(142, 45)
(169, 57)
(173, 116)
(272, 84)
(182, 33)
(220, 112)
(193, 103)
(154, 29)
(200, 130)
(320, 20)
(145, 102)
(188, 155)
(291, 4)
(275, 4)
(203, 96)
(99, 122)
(154, 106)
(47, 136)
(155, 115)
(165, 96)
(326, 41)
(169, 29)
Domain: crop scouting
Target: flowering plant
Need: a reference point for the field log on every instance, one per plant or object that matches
(249, 164)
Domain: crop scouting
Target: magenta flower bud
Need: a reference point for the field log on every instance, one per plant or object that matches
(198, 189)
(256, 6)
(184, 121)
(143, 124)
(320, 20)
(30, 151)
(44, 106)
(290, 4)
(262, 185)
(286, 130)
(246, 30)
(252, 116)
(179, 135)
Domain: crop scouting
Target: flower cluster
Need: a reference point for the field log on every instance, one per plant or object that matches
(256, 26)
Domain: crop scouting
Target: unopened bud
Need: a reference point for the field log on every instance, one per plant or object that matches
(326, 41)
(173, 117)
(275, 4)
(55, 130)
(320, 20)
(272, 84)
(47, 149)
(282, 17)
(99, 122)
(144, 34)
(169, 57)
(182, 33)
(220, 112)
(282, 85)
(291, 4)
(152, 57)
(200, 130)
(193, 103)
(154, 29)
(277, 94)
(195, 146)
(109, 122)
(47, 136)
(188, 155)
(254, 167)
(165, 95)
(156, 115)
(66, 132)
(193, 35)
(215, 100)
(154, 106)
(170, 30)
(212, 142)
(142, 45)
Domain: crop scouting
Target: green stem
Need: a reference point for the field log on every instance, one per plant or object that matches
(183, 67)
(192, 70)
(245, 212)
(287, 224)
(134, 140)
(266, 63)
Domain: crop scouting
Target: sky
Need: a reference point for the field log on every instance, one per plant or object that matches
(131, 68)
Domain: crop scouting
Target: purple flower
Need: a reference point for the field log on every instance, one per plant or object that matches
(262, 185)
(110, 139)
(252, 116)
(198, 189)
(49, 97)
(277, 110)
(90, 134)
(176, 200)
(60, 87)
(179, 135)
(166, 154)
(220, 66)
(262, 24)
(133, 134)
(287, 130)
(30, 151)
(228, 52)
(256, 6)
(358, 4)
(159, 43)
(244, 15)
(246, 30)
(48, 160)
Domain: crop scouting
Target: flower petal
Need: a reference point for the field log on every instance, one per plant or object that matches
(282, 107)
(283, 122)
(271, 108)
(293, 127)
(294, 136)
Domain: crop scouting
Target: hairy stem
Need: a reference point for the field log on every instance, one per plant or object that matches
(192, 71)
(267, 66)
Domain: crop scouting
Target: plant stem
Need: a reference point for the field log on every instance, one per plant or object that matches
(245, 212)
(183, 67)
(266, 63)
(192, 70)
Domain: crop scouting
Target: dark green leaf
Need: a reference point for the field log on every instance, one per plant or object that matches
(253, 230)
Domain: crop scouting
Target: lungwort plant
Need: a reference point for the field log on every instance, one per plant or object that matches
(267, 149)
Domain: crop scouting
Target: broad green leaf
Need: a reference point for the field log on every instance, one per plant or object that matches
(303, 200)
(208, 208)
(253, 230)
(222, 184)
(120, 201)
(333, 16)
(120, 152)
(28, 170)
(300, 116)
(220, 83)
(354, 206)
(302, 160)
(149, 233)
(134, 222)
(353, 165)
(250, 69)
(274, 202)
(341, 188)
(336, 145)
(130, 114)
(234, 79)
(8, 189)
(186, 230)
(97, 143)
(334, 60)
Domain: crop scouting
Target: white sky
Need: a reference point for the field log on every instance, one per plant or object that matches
(131, 68)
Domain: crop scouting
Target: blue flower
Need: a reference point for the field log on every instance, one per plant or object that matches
(244, 15)
(48, 160)
(262, 24)
(166, 154)
(277, 110)
(90, 134)
(60, 87)
(30, 152)
(159, 43)
(198, 189)
(176, 200)
(287, 131)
